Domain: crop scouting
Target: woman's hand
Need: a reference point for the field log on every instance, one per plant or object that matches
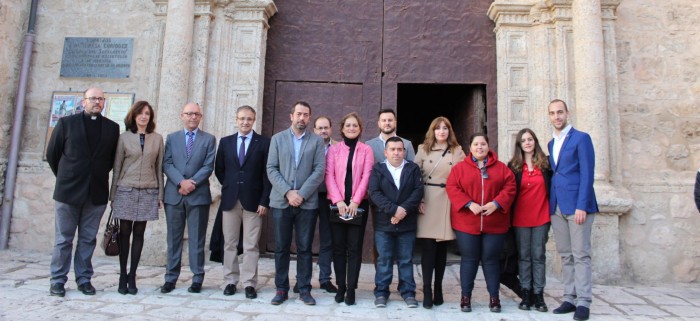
(160, 204)
(421, 207)
(475, 208)
(342, 208)
(352, 209)
(488, 209)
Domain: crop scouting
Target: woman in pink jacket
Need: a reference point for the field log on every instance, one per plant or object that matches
(348, 166)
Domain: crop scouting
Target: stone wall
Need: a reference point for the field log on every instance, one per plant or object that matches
(659, 78)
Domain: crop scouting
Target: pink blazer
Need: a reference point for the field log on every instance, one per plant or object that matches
(336, 168)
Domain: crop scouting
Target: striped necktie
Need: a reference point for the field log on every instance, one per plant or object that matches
(190, 142)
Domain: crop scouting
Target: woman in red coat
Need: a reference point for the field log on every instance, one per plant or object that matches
(481, 189)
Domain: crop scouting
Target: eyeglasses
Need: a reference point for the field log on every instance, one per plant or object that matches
(94, 99)
(190, 114)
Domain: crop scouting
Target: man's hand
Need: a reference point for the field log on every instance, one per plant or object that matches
(187, 186)
(399, 215)
(262, 210)
(294, 198)
(579, 216)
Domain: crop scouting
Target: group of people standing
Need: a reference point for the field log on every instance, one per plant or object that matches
(440, 194)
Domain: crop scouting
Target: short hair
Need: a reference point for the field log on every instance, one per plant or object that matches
(348, 116)
(135, 110)
(301, 102)
(566, 108)
(330, 124)
(475, 135)
(394, 139)
(245, 107)
(385, 111)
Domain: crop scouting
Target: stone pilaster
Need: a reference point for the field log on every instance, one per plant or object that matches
(565, 49)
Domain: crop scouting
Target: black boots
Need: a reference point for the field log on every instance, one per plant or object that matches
(122, 283)
(427, 297)
(525, 304)
(539, 302)
(495, 305)
(340, 295)
(131, 283)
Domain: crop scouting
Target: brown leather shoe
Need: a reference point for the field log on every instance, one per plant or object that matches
(466, 304)
(495, 305)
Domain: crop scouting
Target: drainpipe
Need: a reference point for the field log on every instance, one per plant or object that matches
(11, 174)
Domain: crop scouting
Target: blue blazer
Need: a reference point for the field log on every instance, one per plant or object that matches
(246, 182)
(572, 181)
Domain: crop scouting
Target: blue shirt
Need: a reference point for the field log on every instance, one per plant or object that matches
(248, 137)
(194, 136)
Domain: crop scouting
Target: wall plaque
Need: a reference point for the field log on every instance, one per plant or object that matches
(97, 57)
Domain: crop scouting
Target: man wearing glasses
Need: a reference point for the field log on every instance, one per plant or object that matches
(81, 154)
(188, 162)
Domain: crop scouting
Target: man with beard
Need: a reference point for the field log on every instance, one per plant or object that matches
(387, 128)
(81, 154)
(296, 167)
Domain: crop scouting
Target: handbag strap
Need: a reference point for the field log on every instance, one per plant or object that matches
(110, 218)
(438, 162)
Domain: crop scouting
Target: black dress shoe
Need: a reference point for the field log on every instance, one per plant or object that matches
(87, 288)
(230, 289)
(582, 313)
(122, 284)
(57, 289)
(329, 287)
(565, 307)
(296, 288)
(250, 292)
(167, 287)
(196, 287)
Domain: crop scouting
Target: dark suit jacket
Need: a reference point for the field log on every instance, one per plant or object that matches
(198, 167)
(387, 198)
(80, 174)
(572, 181)
(246, 182)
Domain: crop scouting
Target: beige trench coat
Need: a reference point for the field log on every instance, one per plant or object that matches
(435, 222)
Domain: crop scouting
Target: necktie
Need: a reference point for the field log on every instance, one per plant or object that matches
(190, 142)
(241, 151)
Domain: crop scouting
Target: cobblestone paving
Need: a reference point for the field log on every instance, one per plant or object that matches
(24, 295)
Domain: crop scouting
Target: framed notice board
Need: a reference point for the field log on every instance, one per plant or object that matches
(64, 103)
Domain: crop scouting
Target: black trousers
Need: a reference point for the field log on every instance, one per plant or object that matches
(347, 250)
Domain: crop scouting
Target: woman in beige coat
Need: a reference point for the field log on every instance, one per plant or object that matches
(436, 156)
(137, 187)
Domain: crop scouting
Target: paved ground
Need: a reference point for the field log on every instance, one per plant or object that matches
(24, 284)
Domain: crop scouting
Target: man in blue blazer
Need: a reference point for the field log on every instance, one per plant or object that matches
(572, 204)
(245, 198)
(188, 161)
(296, 167)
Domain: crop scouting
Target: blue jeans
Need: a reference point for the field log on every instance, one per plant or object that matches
(531, 256)
(325, 253)
(394, 246)
(303, 222)
(484, 248)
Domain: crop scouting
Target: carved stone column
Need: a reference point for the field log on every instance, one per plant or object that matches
(565, 49)
(175, 63)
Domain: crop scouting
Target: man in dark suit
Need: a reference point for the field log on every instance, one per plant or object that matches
(81, 154)
(245, 198)
(188, 162)
(572, 203)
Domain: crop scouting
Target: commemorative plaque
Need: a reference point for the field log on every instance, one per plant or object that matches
(97, 57)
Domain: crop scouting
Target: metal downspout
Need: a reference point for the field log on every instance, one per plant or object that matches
(13, 156)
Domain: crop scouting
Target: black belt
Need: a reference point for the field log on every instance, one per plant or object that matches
(438, 185)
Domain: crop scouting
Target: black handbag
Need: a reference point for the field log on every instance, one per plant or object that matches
(110, 239)
(335, 216)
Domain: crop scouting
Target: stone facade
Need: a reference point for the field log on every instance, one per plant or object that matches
(632, 81)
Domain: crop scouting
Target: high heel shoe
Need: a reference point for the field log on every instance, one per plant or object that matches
(427, 297)
(131, 284)
(122, 284)
(340, 295)
(350, 297)
(437, 295)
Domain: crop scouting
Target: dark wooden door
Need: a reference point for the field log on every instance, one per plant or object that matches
(352, 55)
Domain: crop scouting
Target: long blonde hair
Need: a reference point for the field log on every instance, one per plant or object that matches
(430, 141)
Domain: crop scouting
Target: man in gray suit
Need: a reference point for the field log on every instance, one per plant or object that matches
(188, 162)
(387, 129)
(296, 166)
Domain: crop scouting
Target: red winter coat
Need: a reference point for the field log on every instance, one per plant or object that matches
(465, 184)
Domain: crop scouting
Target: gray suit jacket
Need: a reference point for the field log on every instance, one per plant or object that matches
(282, 170)
(198, 167)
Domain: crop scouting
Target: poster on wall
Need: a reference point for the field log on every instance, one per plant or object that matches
(65, 103)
